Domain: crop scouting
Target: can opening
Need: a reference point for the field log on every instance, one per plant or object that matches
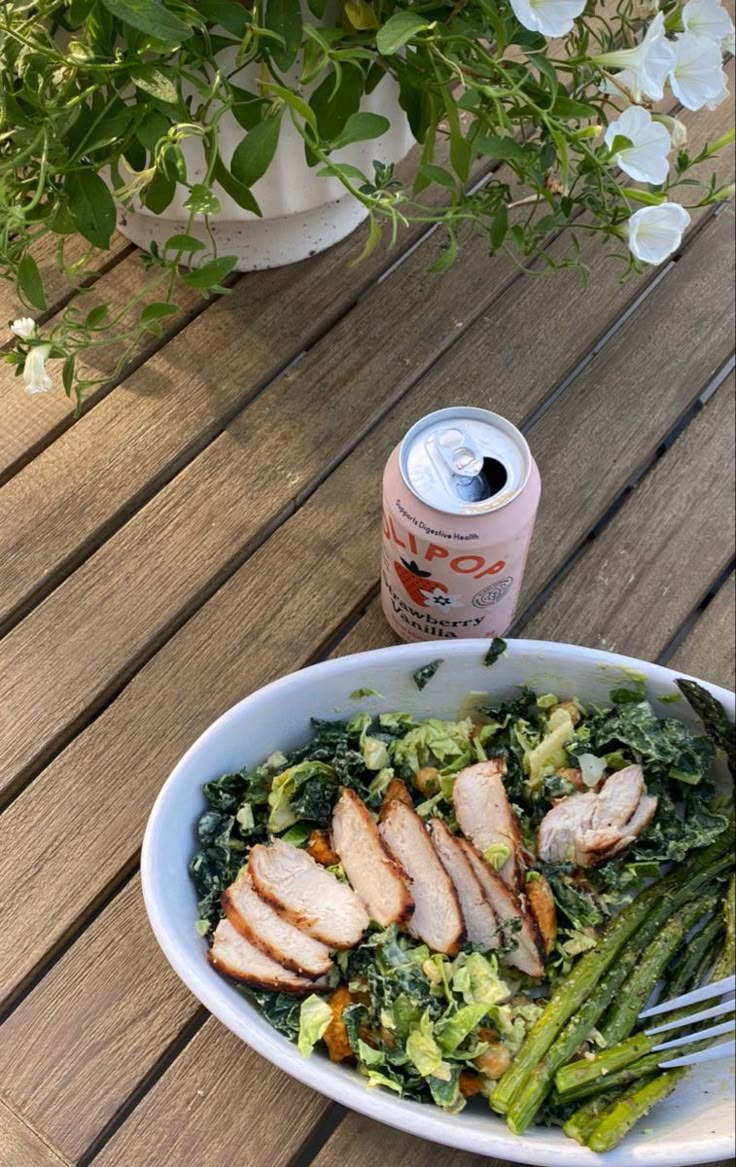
(491, 480)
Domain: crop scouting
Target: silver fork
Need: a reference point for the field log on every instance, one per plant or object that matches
(685, 1016)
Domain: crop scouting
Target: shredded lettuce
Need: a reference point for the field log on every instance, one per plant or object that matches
(314, 1017)
(289, 783)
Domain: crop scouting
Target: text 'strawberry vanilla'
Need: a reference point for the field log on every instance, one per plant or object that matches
(460, 496)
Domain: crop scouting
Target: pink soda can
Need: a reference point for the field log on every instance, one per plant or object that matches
(460, 496)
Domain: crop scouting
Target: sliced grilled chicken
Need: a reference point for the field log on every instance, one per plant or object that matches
(528, 954)
(436, 919)
(480, 919)
(542, 905)
(262, 925)
(396, 791)
(587, 829)
(485, 816)
(232, 954)
(307, 895)
(374, 875)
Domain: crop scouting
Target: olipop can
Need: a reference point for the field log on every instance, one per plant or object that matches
(460, 496)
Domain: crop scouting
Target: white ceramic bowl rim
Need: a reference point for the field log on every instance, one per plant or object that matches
(540, 1146)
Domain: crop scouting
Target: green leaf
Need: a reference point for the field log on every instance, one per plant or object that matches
(253, 156)
(448, 256)
(499, 227)
(159, 192)
(67, 374)
(150, 18)
(398, 31)
(158, 82)
(29, 282)
(461, 150)
(643, 196)
(96, 316)
(202, 201)
(234, 17)
(209, 275)
(239, 193)
(502, 149)
(565, 107)
(342, 170)
(547, 69)
(91, 206)
(157, 311)
(284, 17)
(439, 175)
(247, 108)
(317, 8)
(183, 243)
(361, 127)
(295, 103)
(333, 105)
(619, 143)
(496, 648)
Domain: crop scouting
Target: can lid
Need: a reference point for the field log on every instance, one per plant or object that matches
(465, 461)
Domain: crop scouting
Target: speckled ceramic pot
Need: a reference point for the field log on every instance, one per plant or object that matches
(302, 213)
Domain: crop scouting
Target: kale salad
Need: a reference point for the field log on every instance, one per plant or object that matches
(595, 806)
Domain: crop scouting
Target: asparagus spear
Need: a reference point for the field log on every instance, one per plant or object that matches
(618, 1119)
(569, 994)
(697, 959)
(582, 1077)
(632, 968)
(626, 1009)
(583, 1122)
(713, 716)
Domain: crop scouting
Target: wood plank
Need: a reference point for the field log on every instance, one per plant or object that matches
(122, 757)
(97, 1023)
(251, 1114)
(32, 422)
(708, 650)
(200, 525)
(636, 583)
(360, 1142)
(20, 1146)
(49, 518)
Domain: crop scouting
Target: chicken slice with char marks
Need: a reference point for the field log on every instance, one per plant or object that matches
(436, 919)
(373, 873)
(261, 924)
(485, 816)
(307, 895)
(481, 925)
(235, 956)
(542, 905)
(587, 829)
(529, 952)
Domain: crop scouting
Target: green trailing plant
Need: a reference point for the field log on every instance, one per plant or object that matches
(98, 98)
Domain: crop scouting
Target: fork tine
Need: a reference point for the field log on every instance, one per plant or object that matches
(714, 989)
(690, 1019)
(685, 1039)
(724, 1050)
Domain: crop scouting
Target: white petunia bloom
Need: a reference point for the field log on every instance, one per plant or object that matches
(23, 327)
(550, 17)
(697, 78)
(645, 67)
(646, 159)
(655, 232)
(707, 18)
(34, 370)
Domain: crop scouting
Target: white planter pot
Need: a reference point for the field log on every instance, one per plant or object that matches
(301, 212)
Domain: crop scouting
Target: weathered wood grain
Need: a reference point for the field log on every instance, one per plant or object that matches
(637, 582)
(122, 453)
(93, 1021)
(360, 1142)
(20, 1146)
(252, 1114)
(709, 649)
(265, 620)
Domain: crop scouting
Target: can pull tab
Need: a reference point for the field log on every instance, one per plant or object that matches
(458, 456)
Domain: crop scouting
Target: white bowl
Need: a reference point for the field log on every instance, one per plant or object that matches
(695, 1125)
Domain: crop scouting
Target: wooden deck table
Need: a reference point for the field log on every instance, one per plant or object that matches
(212, 522)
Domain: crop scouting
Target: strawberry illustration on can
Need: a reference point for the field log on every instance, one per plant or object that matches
(460, 496)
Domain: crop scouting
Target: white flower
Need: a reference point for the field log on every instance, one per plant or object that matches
(707, 18)
(34, 371)
(646, 159)
(655, 232)
(697, 78)
(24, 327)
(550, 17)
(645, 66)
(677, 130)
(439, 599)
